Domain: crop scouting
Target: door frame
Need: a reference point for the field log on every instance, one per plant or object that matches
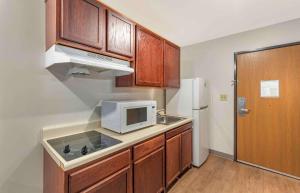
(235, 84)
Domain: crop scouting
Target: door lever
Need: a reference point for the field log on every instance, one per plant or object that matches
(244, 111)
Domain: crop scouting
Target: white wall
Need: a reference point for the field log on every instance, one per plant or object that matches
(31, 97)
(214, 60)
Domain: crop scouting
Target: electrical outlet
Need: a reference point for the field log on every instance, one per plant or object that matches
(223, 97)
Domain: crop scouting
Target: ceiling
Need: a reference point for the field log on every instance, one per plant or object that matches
(187, 22)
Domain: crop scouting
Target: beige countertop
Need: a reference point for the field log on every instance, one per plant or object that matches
(128, 140)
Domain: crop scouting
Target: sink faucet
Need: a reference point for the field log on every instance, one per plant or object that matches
(159, 111)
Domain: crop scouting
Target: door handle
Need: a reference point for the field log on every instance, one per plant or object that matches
(242, 110)
(245, 111)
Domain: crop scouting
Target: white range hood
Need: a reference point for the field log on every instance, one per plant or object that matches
(83, 63)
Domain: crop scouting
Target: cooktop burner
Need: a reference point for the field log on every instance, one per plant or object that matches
(78, 145)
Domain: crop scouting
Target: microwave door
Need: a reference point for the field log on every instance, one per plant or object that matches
(138, 117)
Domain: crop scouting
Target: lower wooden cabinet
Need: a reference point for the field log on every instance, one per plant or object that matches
(119, 182)
(186, 149)
(173, 157)
(178, 152)
(99, 173)
(149, 173)
(148, 167)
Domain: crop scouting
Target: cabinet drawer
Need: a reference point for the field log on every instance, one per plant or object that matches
(119, 182)
(178, 130)
(147, 147)
(92, 174)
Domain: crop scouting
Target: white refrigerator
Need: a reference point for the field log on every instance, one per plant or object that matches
(192, 100)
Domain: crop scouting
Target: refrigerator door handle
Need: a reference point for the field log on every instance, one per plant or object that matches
(201, 108)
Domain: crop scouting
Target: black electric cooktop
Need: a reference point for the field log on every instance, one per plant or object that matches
(78, 145)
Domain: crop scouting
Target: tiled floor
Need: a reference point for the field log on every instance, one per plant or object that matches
(219, 175)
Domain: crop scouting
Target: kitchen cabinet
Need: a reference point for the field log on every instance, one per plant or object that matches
(186, 149)
(149, 58)
(103, 174)
(171, 65)
(83, 22)
(157, 62)
(120, 34)
(91, 26)
(149, 172)
(149, 166)
(178, 152)
(173, 156)
(112, 174)
(116, 183)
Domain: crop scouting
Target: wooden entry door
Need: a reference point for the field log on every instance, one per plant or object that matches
(268, 128)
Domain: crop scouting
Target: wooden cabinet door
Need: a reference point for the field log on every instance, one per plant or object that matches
(186, 149)
(120, 182)
(83, 21)
(173, 158)
(120, 34)
(149, 59)
(171, 65)
(149, 173)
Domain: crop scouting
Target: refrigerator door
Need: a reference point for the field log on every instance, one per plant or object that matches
(200, 93)
(179, 101)
(200, 136)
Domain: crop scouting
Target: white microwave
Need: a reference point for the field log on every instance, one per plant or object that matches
(127, 116)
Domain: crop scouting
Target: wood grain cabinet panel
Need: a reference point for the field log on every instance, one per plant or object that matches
(83, 22)
(173, 158)
(143, 149)
(120, 34)
(171, 65)
(119, 182)
(149, 173)
(154, 166)
(186, 149)
(149, 59)
(92, 174)
(178, 152)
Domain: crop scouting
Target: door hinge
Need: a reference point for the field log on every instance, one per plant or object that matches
(234, 82)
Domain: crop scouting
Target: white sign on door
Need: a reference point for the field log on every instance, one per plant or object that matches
(269, 88)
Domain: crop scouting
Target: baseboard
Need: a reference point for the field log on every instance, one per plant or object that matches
(221, 154)
(268, 169)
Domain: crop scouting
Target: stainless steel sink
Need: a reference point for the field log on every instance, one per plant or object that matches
(168, 120)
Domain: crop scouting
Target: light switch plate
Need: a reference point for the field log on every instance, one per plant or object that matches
(223, 97)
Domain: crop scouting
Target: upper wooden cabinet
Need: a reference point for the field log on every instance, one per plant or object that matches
(83, 22)
(120, 34)
(94, 27)
(149, 58)
(157, 62)
(171, 65)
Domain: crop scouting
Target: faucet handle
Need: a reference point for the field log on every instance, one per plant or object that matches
(158, 112)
